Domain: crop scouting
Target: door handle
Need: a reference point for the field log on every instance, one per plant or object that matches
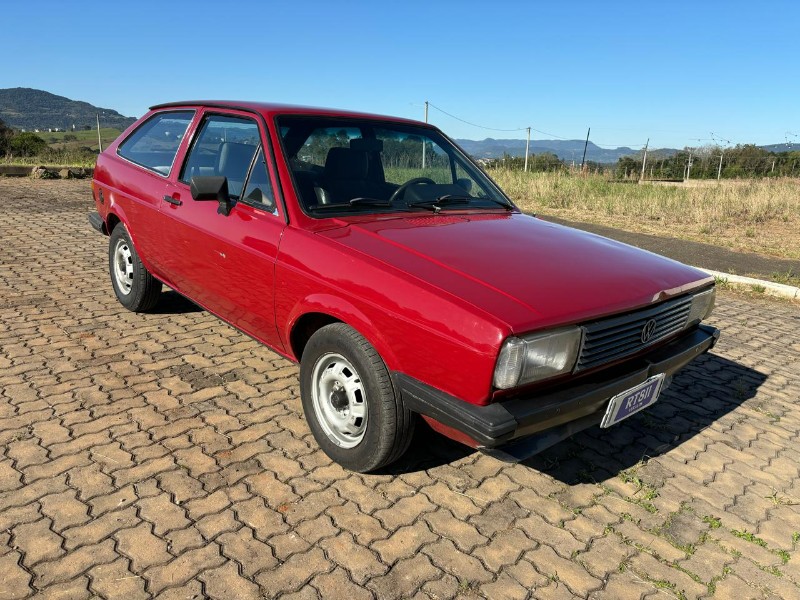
(172, 200)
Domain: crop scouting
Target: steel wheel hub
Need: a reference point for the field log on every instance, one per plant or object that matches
(339, 399)
(123, 267)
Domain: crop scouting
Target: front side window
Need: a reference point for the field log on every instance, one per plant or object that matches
(224, 146)
(155, 143)
(258, 190)
(349, 165)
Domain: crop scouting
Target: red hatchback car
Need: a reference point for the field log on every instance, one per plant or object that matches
(376, 253)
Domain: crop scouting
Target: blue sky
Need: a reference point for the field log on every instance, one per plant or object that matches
(671, 71)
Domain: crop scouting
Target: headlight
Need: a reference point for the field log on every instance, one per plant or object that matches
(702, 305)
(535, 357)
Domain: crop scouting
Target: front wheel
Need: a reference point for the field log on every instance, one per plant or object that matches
(134, 286)
(350, 404)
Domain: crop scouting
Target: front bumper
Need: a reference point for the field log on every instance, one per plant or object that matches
(96, 221)
(522, 426)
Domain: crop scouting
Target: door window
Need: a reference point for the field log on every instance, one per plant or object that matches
(155, 143)
(259, 189)
(224, 146)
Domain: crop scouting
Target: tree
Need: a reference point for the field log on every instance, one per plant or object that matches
(27, 144)
(5, 136)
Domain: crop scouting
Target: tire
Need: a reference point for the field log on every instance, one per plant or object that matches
(136, 289)
(342, 379)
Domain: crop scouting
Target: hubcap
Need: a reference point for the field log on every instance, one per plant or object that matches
(123, 267)
(340, 402)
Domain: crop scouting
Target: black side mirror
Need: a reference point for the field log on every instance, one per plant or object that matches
(213, 188)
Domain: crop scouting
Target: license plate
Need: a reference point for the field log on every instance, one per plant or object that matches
(631, 401)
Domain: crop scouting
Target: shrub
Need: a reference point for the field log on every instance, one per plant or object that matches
(26, 144)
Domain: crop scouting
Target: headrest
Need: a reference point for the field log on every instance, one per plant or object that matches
(233, 155)
(363, 145)
(346, 163)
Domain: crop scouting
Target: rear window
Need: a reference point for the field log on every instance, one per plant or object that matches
(155, 142)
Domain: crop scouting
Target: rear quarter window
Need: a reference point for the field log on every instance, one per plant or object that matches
(155, 142)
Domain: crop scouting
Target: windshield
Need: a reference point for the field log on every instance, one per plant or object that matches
(342, 165)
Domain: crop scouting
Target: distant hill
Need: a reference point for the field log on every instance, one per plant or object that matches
(29, 109)
(781, 147)
(567, 150)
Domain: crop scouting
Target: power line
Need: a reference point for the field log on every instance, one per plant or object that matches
(551, 134)
(717, 138)
(473, 124)
(560, 137)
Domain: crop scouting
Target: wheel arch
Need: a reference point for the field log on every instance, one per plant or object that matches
(111, 221)
(114, 217)
(322, 310)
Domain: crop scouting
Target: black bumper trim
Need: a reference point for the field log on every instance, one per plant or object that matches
(554, 412)
(97, 222)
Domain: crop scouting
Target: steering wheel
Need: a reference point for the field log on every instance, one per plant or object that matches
(401, 190)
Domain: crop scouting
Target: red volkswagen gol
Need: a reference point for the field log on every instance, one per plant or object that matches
(376, 253)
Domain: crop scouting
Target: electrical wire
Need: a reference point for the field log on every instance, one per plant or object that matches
(714, 137)
(473, 124)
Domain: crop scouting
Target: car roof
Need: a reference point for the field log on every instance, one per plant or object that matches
(269, 110)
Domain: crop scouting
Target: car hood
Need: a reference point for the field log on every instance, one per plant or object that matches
(526, 272)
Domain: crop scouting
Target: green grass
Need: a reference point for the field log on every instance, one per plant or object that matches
(750, 537)
(82, 135)
(713, 522)
(787, 278)
(753, 215)
(80, 152)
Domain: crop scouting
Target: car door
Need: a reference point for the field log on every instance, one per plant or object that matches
(151, 150)
(226, 262)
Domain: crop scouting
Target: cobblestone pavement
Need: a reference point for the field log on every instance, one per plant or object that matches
(166, 455)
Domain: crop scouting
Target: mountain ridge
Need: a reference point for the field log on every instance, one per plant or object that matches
(30, 109)
(566, 150)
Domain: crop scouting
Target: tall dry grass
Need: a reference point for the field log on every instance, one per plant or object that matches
(755, 215)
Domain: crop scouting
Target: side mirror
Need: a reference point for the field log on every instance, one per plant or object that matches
(212, 188)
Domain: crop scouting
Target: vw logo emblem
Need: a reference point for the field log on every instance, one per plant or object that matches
(648, 330)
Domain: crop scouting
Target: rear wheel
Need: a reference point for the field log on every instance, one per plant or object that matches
(134, 286)
(350, 404)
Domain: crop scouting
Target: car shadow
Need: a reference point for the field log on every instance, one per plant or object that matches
(703, 392)
(172, 303)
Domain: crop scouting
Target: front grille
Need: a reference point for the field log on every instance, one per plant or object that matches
(618, 337)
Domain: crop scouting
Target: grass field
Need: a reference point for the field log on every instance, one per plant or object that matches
(86, 137)
(63, 150)
(751, 215)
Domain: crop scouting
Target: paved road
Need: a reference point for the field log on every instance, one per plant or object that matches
(698, 254)
(166, 454)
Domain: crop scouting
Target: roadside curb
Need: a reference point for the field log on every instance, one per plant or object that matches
(770, 287)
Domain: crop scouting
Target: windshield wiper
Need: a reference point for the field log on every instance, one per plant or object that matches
(449, 199)
(505, 205)
(436, 205)
(369, 202)
(353, 202)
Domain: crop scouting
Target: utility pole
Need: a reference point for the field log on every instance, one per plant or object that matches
(583, 160)
(644, 159)
(99, 141)
(689, 166)
(423, 141)
(719, 170)
(527, 146)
